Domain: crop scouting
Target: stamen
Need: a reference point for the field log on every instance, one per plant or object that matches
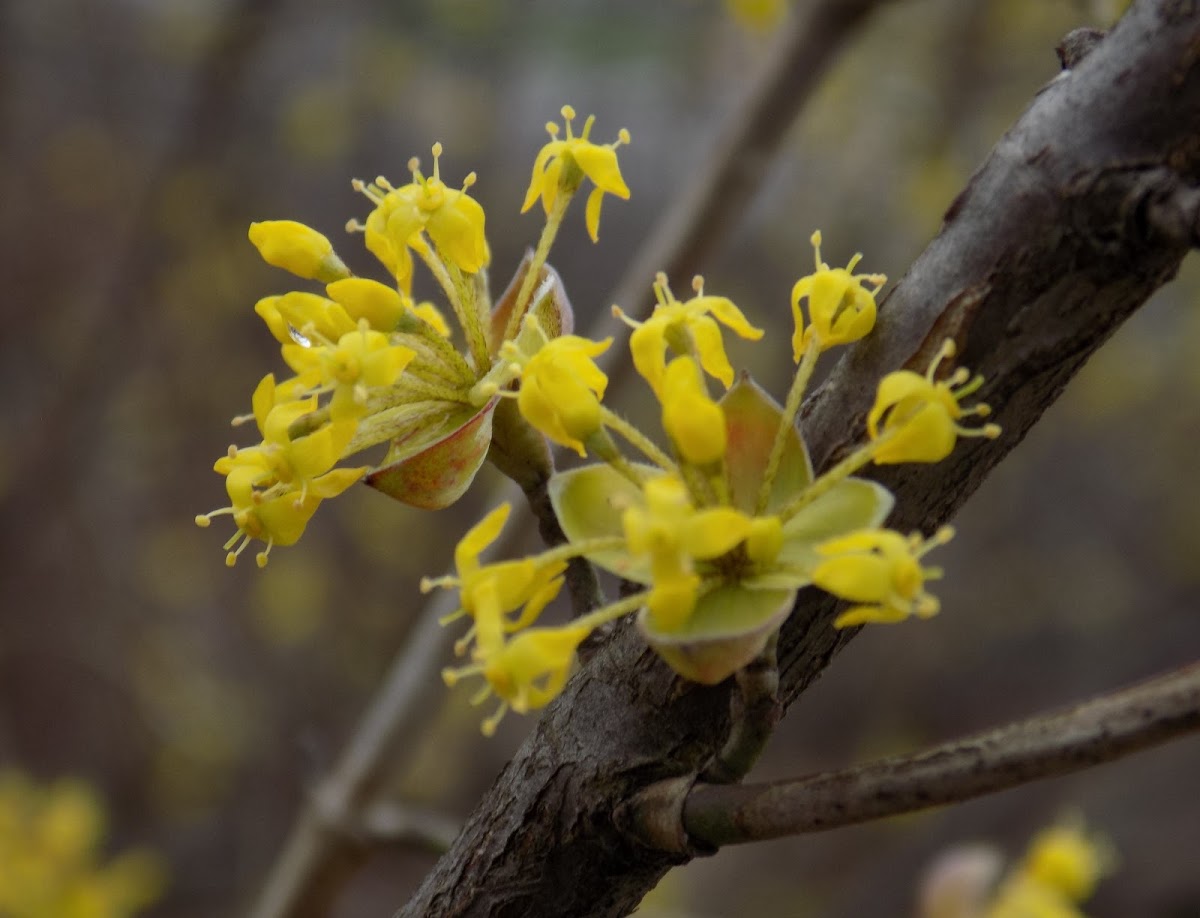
(451, 675)
(231, 558)
(622, 137)
(854, 261)
(437, 152)
(568, 114)
(413, 165)
(587, 127)
(369, 191)
(383, 183)
(262, 557)
(240, 420)
(461, 645)
(698, 284)
(815, 239)
(452, 617)
(355, 226)
(552, 130)
(619, 313)
(469, 180)
(488, 727)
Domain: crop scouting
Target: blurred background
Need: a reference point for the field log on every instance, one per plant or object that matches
(139, 138)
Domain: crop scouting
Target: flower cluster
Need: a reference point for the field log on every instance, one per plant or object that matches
(718, 530)
(1058, 873)
(717, 523)
(370, 366)
(51, 864)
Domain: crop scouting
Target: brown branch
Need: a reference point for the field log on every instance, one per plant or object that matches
(1099, 730)
(1042, 256)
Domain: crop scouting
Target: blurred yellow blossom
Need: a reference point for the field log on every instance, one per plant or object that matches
(50, 862)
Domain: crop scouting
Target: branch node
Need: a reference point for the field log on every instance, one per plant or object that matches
(653, 817)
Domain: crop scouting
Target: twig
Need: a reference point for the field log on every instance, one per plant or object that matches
(754, 710)
(1100, 730)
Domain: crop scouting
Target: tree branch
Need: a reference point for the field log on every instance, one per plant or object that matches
(1099, 730)
(1042, 256)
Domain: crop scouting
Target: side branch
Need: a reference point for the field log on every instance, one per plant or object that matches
(1100, 730)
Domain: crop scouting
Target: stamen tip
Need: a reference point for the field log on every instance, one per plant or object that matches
(437, 149)
(427, 585)
(414, 164)
(450, 677)
(261, 559)
(231, 559)
(991, 431)
(567, 112)
(203, 521)
(623, 136)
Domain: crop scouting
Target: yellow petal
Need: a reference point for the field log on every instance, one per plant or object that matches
(599, 163)
(380, 305)
(592, 213)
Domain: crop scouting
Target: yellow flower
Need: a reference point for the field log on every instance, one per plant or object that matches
(525, 672)
(50, 857)
(841, 310)
(561, 165)
(1064, 858)
(882, 569)
(687, 327)
(561, 388)
(694, 422)
(673, 534)
(1060, 870)
(914, 418)
(361, 360)
(497, 589)
(303, 463)
(297, 248)
(275, 488)
(452, 219)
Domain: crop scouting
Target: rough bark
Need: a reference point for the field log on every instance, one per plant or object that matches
(1081, 211)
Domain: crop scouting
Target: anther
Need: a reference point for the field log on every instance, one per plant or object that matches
(698, 284)
(567, 112)
(414, 164)
(203, 521)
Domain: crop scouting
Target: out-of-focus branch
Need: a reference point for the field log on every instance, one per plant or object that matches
(316, 862)
(709, 208)
(1100, 730)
